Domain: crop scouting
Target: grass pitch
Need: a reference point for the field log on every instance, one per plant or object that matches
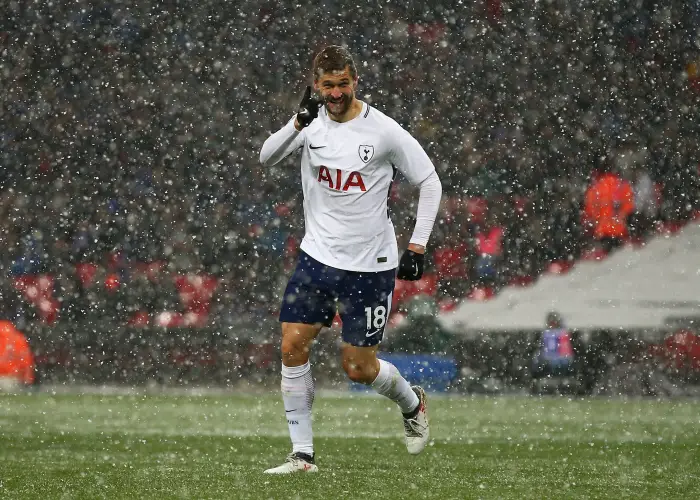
(186, 446)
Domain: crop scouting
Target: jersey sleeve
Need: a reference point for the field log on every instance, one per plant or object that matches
(281, 144)
(428, 206)
(409, 157)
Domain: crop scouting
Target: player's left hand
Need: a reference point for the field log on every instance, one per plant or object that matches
(411, 266)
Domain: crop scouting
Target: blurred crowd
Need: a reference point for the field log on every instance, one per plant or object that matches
(131, 130)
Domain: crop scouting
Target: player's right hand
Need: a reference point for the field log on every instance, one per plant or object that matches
(308, 108)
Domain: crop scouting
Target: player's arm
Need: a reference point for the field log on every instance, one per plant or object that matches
(410, 158)
(428, 206)
(281, 144)
(290, 138)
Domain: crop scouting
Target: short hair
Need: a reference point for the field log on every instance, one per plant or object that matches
(333, 58)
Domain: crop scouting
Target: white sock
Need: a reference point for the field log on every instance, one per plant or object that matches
(391, 384)
(298, 396)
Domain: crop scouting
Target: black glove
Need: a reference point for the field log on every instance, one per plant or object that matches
(308, 108)
(411, 266)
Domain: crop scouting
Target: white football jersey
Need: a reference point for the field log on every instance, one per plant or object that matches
(346, 173)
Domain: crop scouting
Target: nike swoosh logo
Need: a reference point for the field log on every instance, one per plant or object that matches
(371, 334)
(415, 273)
(316, 147)
(289, 411)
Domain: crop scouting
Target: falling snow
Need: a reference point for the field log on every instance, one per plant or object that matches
(146, 248)
(145, 244)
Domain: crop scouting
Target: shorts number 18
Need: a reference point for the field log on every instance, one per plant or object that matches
(377, 318)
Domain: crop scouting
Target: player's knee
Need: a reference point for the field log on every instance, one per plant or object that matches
(359, 373)
(294, 350)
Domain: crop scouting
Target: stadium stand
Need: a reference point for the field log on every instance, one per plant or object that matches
(130, 139)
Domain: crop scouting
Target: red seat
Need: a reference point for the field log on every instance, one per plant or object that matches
(169, 319)
(195, 319)
(477, 209)
(405, 290)
(427, 285)
(682, 350)
(112, 282)
(38, 290)
(395, 319)
(450, 262)
(34, 287)
(185, 290)
(48, 309)
(402, 290)
(22, 283)
(447, 305)
(481, 293)
(282, 210)
(560, 266)
(526, 280)
(196, 291)
(86, 273)
(139, 318)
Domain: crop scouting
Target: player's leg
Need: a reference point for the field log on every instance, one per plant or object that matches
(298, 389)
(307, 306)
(362, 365)
(298, 393)
(365, 309)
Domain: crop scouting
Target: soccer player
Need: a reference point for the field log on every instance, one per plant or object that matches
(350, 153)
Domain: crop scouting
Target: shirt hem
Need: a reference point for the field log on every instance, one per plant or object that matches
(356, 269)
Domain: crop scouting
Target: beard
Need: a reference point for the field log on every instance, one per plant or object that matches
(341, 106)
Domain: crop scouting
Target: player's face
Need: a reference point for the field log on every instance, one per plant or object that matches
(338, 91)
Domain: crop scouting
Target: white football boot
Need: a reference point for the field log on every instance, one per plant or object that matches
(417, 429)
(296, 462)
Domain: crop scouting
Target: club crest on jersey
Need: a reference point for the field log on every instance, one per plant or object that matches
(366, 152)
